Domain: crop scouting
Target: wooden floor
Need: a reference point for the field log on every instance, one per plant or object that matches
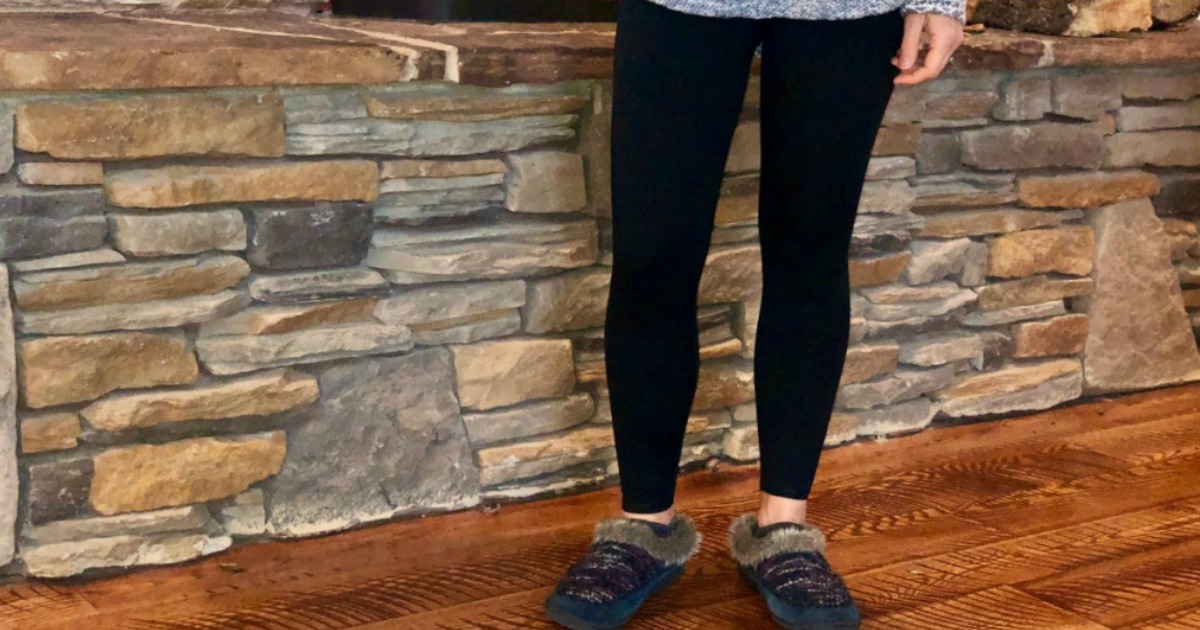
(1086, 517)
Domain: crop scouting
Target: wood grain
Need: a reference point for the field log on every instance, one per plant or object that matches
(1084, 517)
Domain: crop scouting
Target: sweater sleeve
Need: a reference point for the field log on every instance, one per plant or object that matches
(956, 9)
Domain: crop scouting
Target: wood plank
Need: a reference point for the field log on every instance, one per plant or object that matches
(1000, 608)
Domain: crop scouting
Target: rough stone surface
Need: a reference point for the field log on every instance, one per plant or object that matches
(988, 221)
(244, 514)
(1087, 96)
(235, 354)
(934, 349)
(878, 269)
(1025, 387)
(1058, 336)
(868, 361)
(1173, 10)
(1100, 17)
(520, 421)
(974, 267)
(396, 169)
(102, 256)
(152, 126)
(886, 197)
(8, 423)
(385, 439)
(745, 151)
(938, 153)
(952, 191)
(57, 489)
(61, 173)
(545, 181)
(1032, 290)
(6, 139)
(259, 395)
(60, 370)
(175, 519)
(150, 476)
(1085, 190)
(50, 431)
(419, 138)
(1138, 333)
(897, 304)
(137, 316)
(128, 283)
(903, 384)
(1023, 99)
(308, 286)
(723, 383)
(466, 104)
(38, 222)
(173, 233)
(505, 372)
(1161, 84)
(321, 235)
(934, 260)
(731, 274)
(178, 186)
(567, 301)
(1165, 116)
(905, 417)
(274, 320)
(63, 559)
(1172, 147)
(1011, 147)
(1066, 250)
(891, 167)
(1015, 314)
(897, 140)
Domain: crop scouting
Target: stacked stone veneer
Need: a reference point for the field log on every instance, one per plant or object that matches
(302, 7)
(242, 313)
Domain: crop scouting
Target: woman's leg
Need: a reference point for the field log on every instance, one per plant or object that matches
(825, 86)
(678, 87)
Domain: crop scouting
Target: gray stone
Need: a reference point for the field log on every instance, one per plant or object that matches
(492, 195)
(997, 349)
(175, 519)
(63, 559)
(1142, 117)
(38, 223)
(447, 303)
(904, 384)
(474, 183)
(322, 235)
(428, 137)
(388, 212)
(102, 256)
(876, 234)
(1026, 387)
(1139, 336)
(1180, 195)
(501, 325)
(528, 419)
(234, 354)
(502, 249)
(244, 514)
(955, 190)
(1168, 147)
(1015, 314)
(934, 260)
(311, 286)
(1087, 96)
(893, 303)
(57, 489)
(975, 263)
(322, 107)
(905, 417)
(595, 144)
(545, 181)
(6, 143)
(886, 197)
(567, 301)
(891, 167)
(1160, 84)
(8, 423)
(400, 445)
(137, 316)
(1046, 144)
(908, 325)
(938, 153)
(1023, 99)
(170, 233)
(940, 348)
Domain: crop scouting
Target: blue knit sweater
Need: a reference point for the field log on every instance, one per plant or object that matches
(814, 9)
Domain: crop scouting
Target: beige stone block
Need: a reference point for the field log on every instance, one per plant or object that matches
(61, 173)
(468, 106)
(151, 126)
(137, 316)
(868, 361)
(179, 186)
(397, 169)
(724, 383)
(745, 151)
(260, 395)
(1170, 147)
(997, 296)
(528, 419)
(1066, 250)
(898, 139)
(1086, 190)
(987, 221)
(567, 301)
(60, 370)
(151, 476)
(235, 354)
(1163, 116)
(1056, 336)
(9, 481)
(49, 431)
(731, 274)
(275, 320)
(545, 181)
(505, 372)
(879, 269)
(1021, 387)
(103, 256)
(174, 233)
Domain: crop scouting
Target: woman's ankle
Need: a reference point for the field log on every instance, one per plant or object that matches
(775, 509)
(663, 518)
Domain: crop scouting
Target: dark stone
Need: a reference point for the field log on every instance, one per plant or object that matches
(35, 223)
(385, 439)
(1180, 196)
(58, 490)
(324, 234)
(997, 348)
(1048, 17)
(938, 153)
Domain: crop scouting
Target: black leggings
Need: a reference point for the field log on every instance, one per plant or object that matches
(678, 88)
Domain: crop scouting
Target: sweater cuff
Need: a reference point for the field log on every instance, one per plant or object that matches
(956, 9)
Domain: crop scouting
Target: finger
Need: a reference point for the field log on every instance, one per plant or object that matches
(912, 40)
(916, 76)
(938, 54)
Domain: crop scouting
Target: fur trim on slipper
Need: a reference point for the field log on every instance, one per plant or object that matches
(747, 550)
(674, 549)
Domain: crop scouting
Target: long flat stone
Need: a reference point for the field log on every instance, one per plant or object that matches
(179, 186)
(8, 424)
(235, 354)
(139, 316)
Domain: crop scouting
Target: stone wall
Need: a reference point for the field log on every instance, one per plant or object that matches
(239, 313)
(302, 7)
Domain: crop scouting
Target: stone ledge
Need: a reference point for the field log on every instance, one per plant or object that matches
(113, 52)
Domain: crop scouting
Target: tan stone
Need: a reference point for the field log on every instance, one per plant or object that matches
(567, 301)
(868, 361)
(1100, 17)
(544, 181)
(136, 316)
(1173, 10)
(178, 186)
(152, 126)
(724, 383)
(1051, 337)
(1138, 335)
(50, 431)
(61, 173)
(60, 370)
(1086, 190)
(878, 270)
(235, 354)
(1065, 250)
(260, 395)
(1022, 387)
(986, 221)
(745, 151)
(275, 320)
(897, 140)
(396, 169)
(504, 372)
(103, 256)
(128, 283)
(174, 233)
(731, 274)
(1032, 290)
(473, 107)
(146, 476)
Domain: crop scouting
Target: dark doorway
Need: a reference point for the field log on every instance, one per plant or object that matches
(482, 10)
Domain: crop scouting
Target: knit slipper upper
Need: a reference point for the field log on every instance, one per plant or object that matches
(787, 564)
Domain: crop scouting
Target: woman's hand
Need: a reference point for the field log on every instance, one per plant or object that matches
(945, 35)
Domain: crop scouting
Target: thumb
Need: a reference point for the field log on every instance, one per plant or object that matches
(913, 26)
